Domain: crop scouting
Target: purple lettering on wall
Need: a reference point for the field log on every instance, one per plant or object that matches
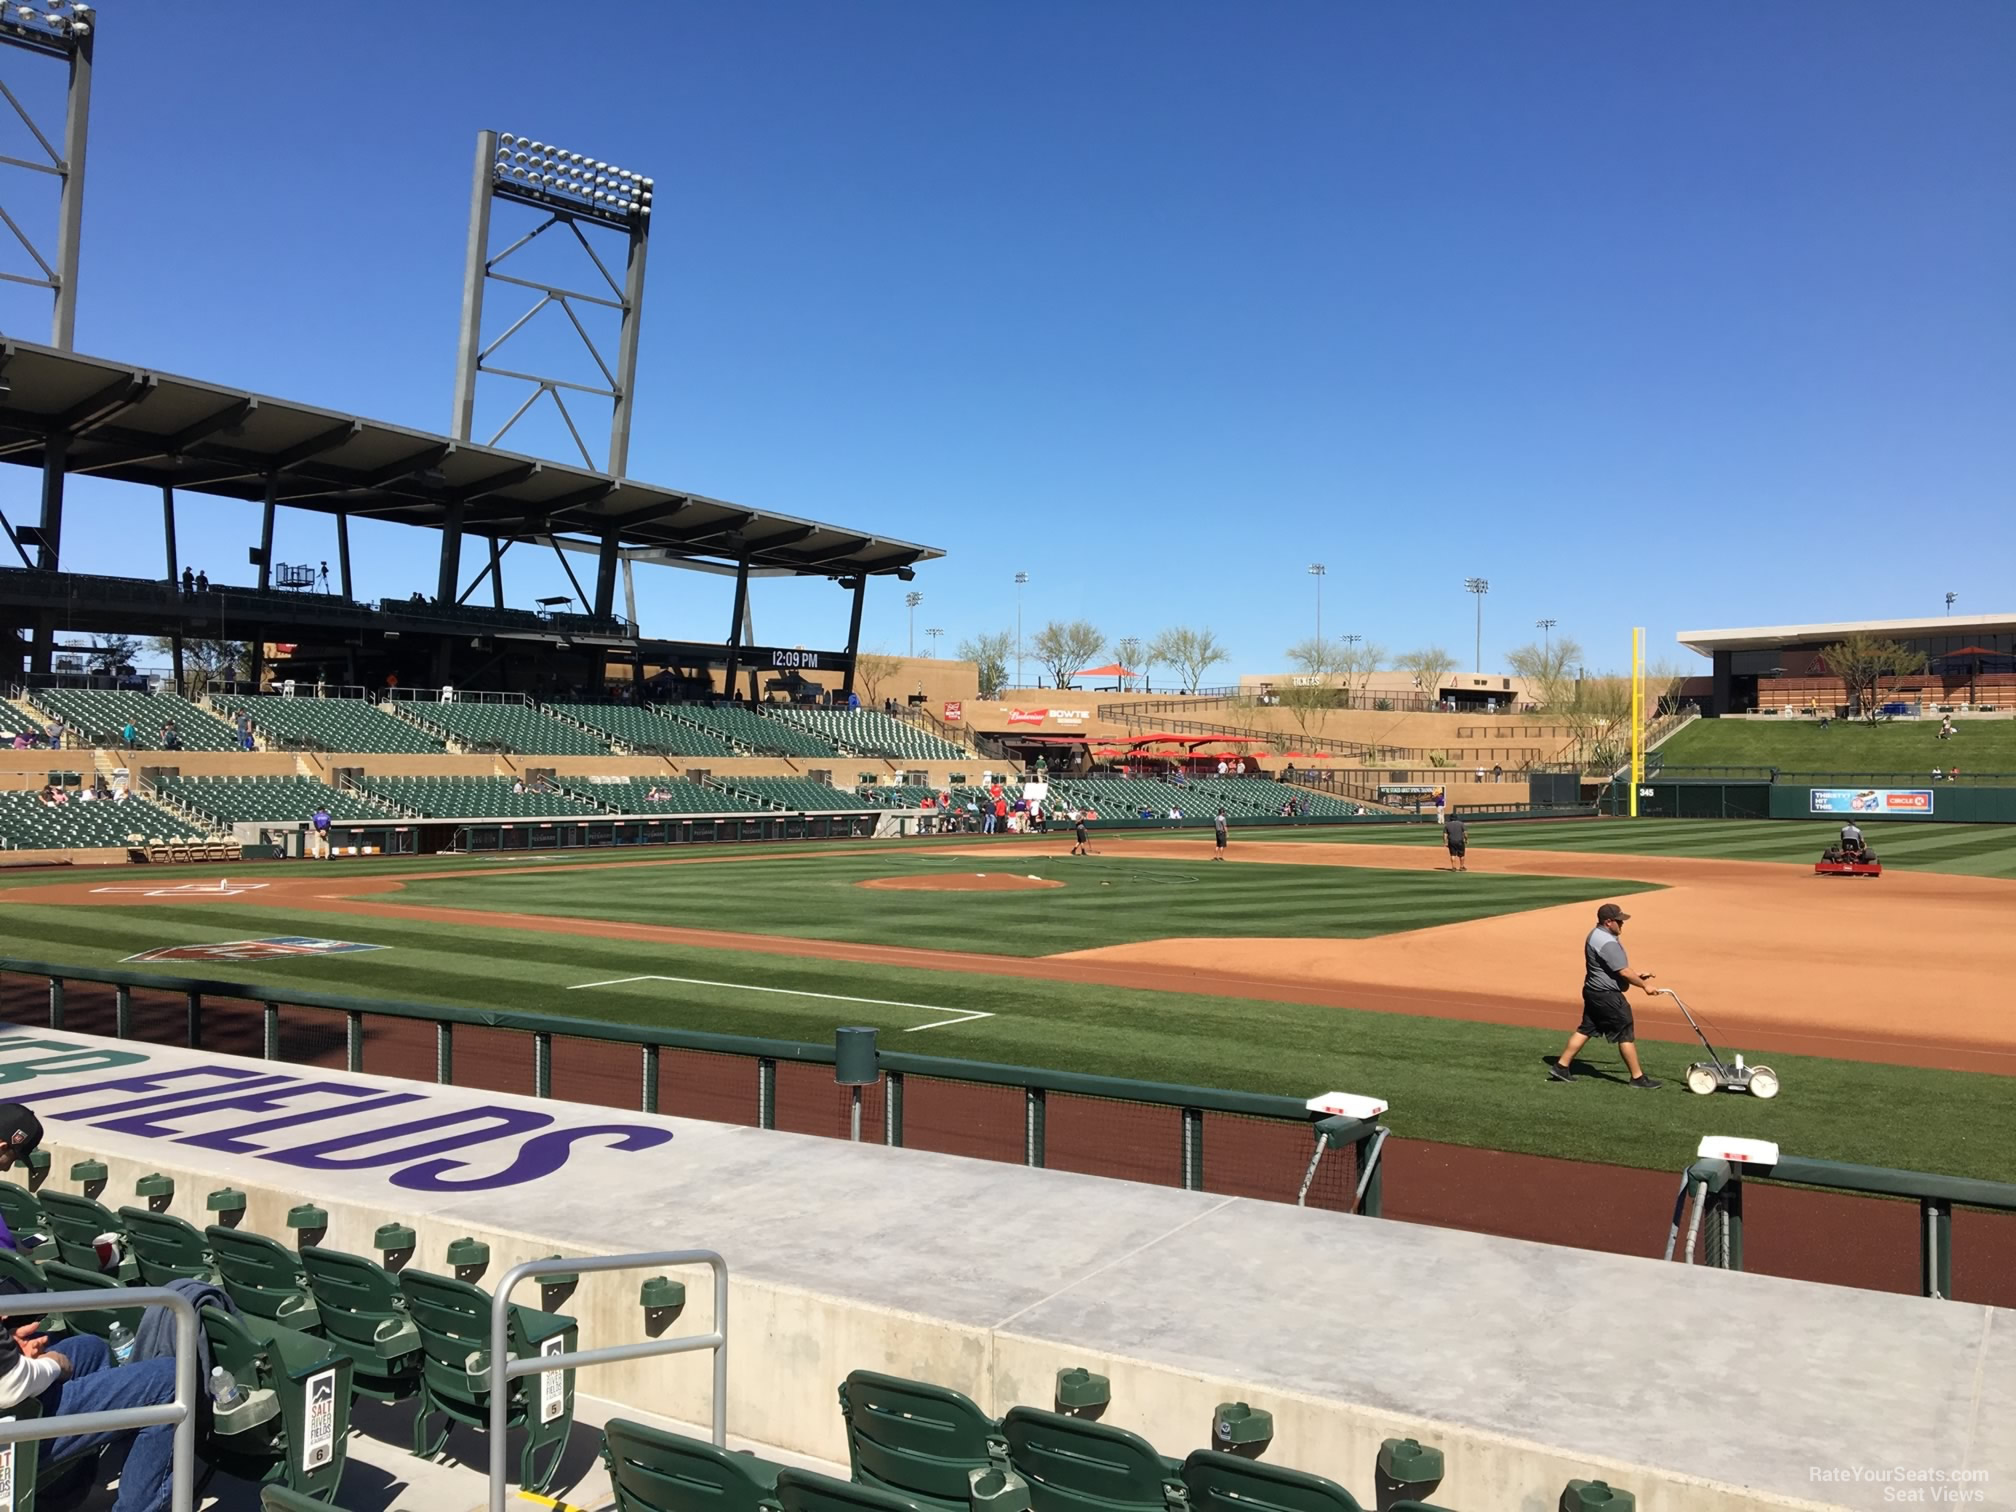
(238, 1141)
(67, 1060)
(541, 1155)
(161, 1123)
(324, 1156)
(213, 1079)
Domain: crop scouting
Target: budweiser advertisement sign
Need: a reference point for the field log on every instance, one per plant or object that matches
(1027, 716)
(955, 711)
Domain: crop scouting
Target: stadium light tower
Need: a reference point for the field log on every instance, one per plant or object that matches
(913, 598)
(1546, 629)
(1949, 601)
(573, 191)
(1318, 571)
(67, 32)
(934, 632)
(1479, 587)
(1021, 582)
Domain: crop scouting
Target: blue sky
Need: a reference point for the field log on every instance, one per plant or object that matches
(1667, 316)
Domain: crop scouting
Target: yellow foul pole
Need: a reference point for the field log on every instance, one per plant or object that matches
(1637, 716)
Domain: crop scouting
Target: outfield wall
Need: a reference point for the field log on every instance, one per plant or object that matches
(989, 1278)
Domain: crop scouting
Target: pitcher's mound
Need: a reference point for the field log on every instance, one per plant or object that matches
(960, 882)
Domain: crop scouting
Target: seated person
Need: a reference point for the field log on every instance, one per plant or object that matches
(77, 1376)
(1851, 840)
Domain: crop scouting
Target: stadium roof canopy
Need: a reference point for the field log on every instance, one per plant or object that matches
(1769, 637)
(140, 426)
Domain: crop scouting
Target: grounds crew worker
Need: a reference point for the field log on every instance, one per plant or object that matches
(1851, 837)
(1606, 974)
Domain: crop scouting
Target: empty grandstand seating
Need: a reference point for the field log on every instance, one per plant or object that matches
(870, 732)
(264, 800)
(101, 717)
(797, 794)
(631, 795)
(511, 726)
(753, 732)
(895, 795)
(330, 724)
(27, 824)
(471, 798)
(642, 728)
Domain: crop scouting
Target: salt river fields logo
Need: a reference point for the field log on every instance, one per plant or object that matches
(413, 1136)
(272, 948)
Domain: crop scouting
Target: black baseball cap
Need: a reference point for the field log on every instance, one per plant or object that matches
(20, 1129)
(1610, 911)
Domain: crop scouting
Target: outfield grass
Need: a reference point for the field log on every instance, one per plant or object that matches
(1907, 746)
(1105, 900)
(1465, 1083)
(1974, 850)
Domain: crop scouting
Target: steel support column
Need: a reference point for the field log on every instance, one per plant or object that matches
(168, 531)
(475, 266)
(854, 632)
(735, 625)
(55, 457)
(70, 207)
(451, 552)
(496, 575)
(605, 575)
(626, 353)
(343, 554)
(267, 511)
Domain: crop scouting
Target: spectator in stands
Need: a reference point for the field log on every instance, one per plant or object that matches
(56, 733)
(88, 793)
(171, 737)
(1497, 771)
(518, 784)
(1221, 766)
(202, 582)
(244, 731)
(1953, 775)
(128, 736)
(1946, 727)
(188, 581)
(120, 793)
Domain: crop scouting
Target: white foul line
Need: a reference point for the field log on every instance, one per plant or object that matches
(961, 1015)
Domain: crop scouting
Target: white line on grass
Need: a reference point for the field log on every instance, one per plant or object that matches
(961, 1015)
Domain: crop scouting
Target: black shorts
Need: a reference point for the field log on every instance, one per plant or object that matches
(1605, 1015)
(1457, 850)
(1220, 841)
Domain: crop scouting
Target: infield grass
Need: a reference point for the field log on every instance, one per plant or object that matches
(1975, 850)
(1461, 1082)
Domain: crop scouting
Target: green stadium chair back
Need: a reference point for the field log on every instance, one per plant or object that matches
(651, 1470)
(364, 1315)
(1219, 1482)
(58, 1277)
(282, 1499)
(264, 1277)
(915, 1439)
(1075, 1465)
(294, 1427)
(77, 1221)
(454, 1322)
(166, 1249)
(804, 1491)
(21, 1210)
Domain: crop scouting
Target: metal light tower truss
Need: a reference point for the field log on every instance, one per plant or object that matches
(55, 29)
(574, 192)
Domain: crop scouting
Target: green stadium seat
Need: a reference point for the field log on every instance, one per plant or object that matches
(293, 1427)
(751, 732)
(454, 1322)
(795, 794)
(26, 823)
(284, 1499)
(653, 1470)
(805, 1491)
(364, 1314)
(915, 1439)
(166, 1249)
(224, 801)
(1219, 1482)
(58, 1277)
(473, 798)
(21, 1211)
(643, 729)
(1075, 1465)
(100, 718)
(331, 724)
(513, 725)
(264, 1277)
(77, 1221)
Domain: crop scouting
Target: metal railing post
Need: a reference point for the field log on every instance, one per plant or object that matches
(1935, 1248)
(504, 1369)
(353, 1041)
(892, 1109)
(766, 1092)
(444, 1053)
(1193, 1149)
(649, 1102)
(542, 1065)
(194, 1031)
(1032, 1126)
(55, 1002)
(271, 1031)
(122, 1012)
(180, 1413)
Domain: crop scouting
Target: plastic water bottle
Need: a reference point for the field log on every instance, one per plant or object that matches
(121, 1342)
(224, 1388)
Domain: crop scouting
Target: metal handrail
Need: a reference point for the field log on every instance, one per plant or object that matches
(504, 1369)
(181, 1412)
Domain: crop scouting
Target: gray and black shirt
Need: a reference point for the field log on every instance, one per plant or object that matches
(1603, 961)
